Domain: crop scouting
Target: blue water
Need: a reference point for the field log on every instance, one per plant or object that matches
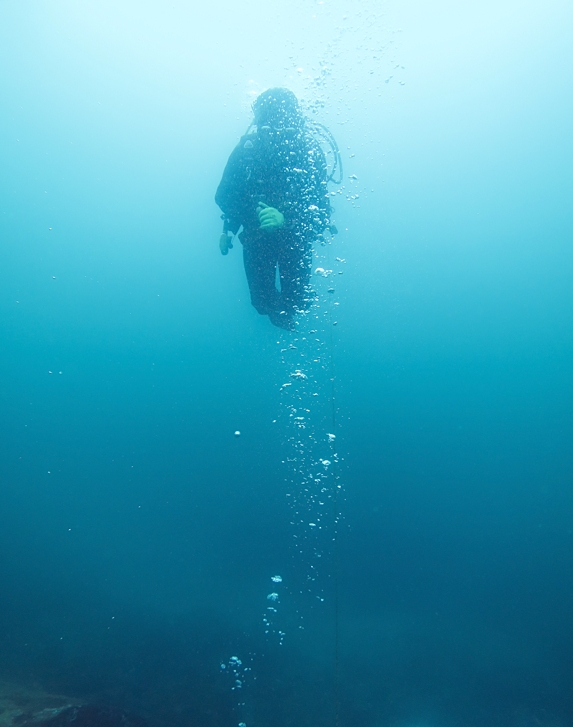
(138, 534)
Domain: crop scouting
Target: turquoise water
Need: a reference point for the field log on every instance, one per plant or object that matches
(139, 535)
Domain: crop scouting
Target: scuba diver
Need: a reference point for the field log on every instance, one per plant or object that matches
(274, 187)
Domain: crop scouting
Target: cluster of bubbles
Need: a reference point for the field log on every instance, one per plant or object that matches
(238, 671)
(308, 418)
(358, 51)
(239, 674)
(270, 614)
(307, 424)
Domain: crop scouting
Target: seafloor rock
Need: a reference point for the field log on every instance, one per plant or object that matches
(20, 707)
(21, 703)
(83, 715)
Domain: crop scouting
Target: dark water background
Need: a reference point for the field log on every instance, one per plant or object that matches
(138, 534)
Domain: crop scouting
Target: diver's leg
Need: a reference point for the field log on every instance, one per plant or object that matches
(295, 263)
(260, 260)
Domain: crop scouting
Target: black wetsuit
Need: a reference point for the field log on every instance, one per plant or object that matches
(290, 175)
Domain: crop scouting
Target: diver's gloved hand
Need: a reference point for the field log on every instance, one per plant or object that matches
(270, 218)
(225, 243)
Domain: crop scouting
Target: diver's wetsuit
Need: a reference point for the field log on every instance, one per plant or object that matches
(288, 173)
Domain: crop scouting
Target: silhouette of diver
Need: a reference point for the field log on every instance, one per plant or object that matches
(274, 187)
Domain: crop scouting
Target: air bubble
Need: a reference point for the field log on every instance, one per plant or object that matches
(298, 375)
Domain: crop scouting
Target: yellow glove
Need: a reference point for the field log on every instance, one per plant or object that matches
(225, 243)
(270, 218)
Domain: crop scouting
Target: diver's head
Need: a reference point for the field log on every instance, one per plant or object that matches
(277, 110)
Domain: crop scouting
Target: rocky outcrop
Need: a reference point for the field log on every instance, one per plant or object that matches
(21, 707)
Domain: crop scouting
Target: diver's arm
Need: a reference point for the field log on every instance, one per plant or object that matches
(229, 193)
